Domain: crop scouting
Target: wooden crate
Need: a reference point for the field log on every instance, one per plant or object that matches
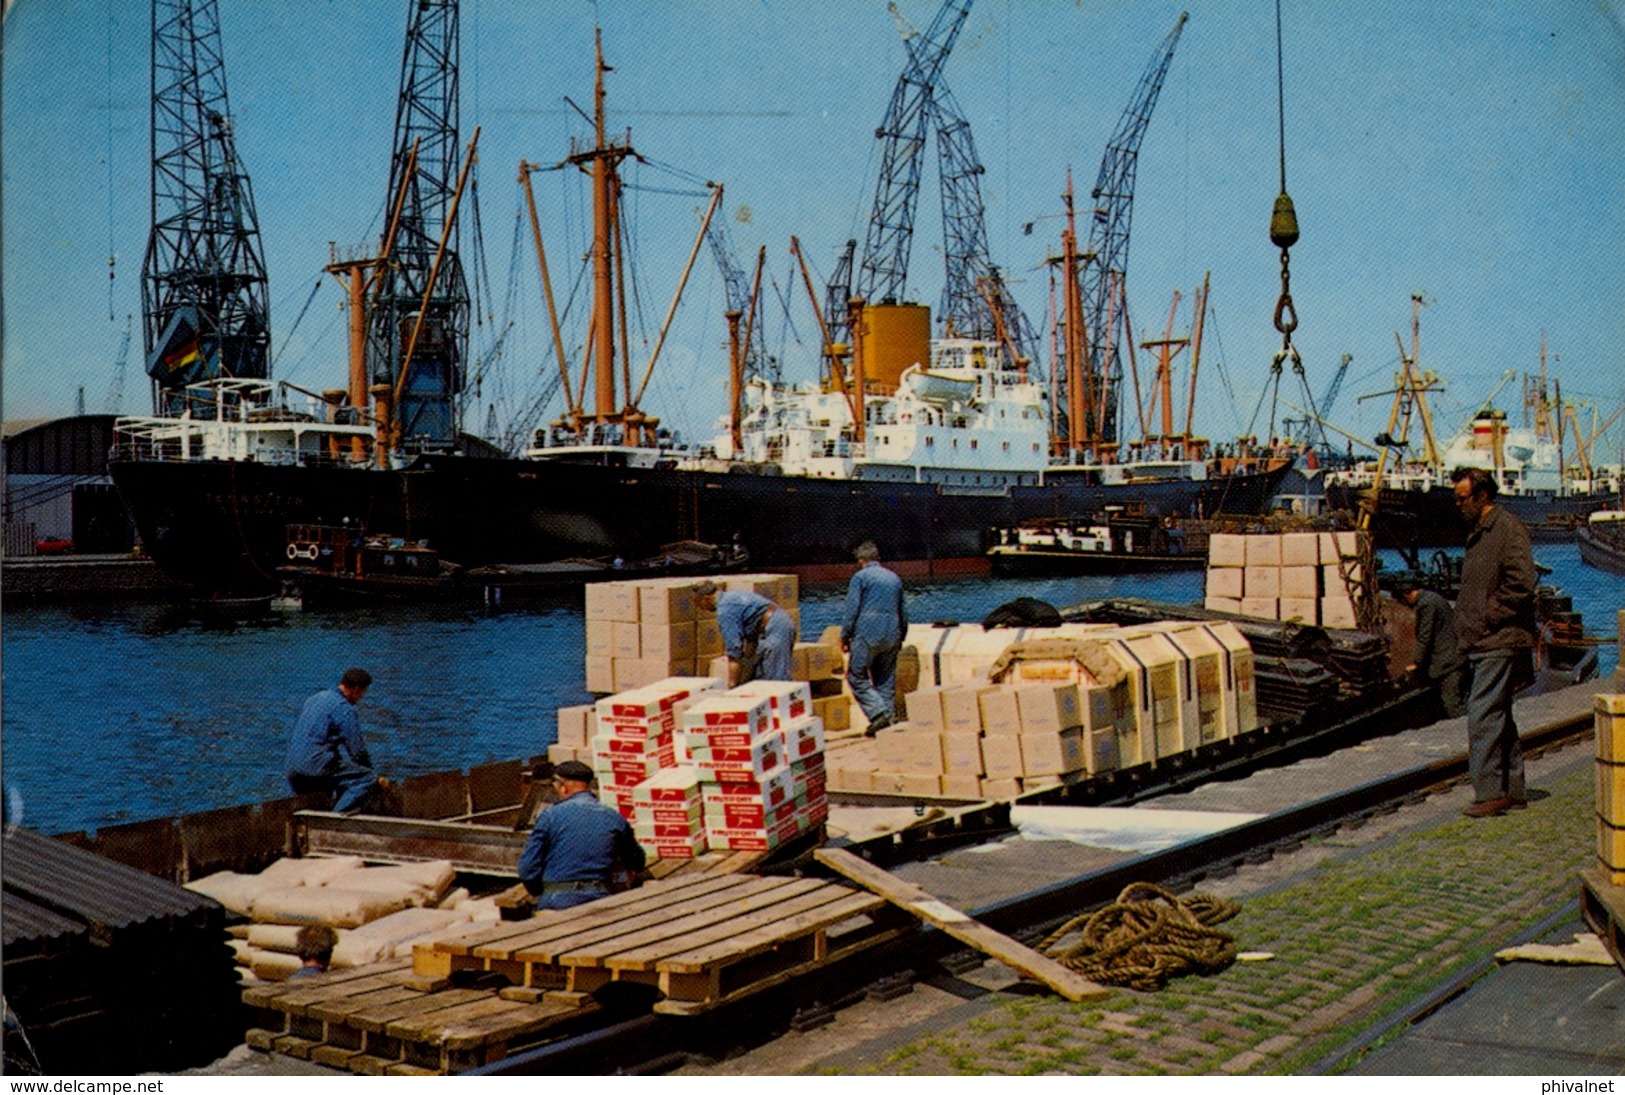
(699, 937)
(374, 1020)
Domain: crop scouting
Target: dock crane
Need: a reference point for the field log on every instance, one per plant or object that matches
(880, 272)
(1104, 276)
(204, 296)
(737, 292)
(965, 309)
(422, 287)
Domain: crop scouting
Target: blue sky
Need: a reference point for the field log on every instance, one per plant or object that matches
(1474, 153)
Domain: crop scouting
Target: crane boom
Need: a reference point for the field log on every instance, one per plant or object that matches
(1105, 276)
(966, 309)
(736, 290)
(882, 273)
(205, 301)
(425, 168)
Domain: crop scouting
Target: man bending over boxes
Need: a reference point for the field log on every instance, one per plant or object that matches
(871, 630)
(757, 635)
(578, 843)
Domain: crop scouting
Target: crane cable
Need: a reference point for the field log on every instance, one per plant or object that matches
(1284, 233)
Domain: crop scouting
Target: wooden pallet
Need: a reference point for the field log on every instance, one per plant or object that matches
(701, 938)
(1602, 904)
(373, 1020)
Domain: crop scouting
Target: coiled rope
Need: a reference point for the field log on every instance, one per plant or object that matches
(1147, 937)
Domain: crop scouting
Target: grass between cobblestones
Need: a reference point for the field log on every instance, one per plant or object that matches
(1357, 938)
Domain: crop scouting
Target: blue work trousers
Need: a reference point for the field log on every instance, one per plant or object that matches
(1494, 754)
(773, 648)
(871, 670)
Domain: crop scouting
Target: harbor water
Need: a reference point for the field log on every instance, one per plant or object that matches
(122, 712)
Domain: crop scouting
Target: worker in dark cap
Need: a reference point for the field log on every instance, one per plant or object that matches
(577, 845)
(1435, 661)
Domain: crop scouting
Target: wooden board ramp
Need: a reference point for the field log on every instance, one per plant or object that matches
(701, 938)
(370, 1020)
(1019, 957)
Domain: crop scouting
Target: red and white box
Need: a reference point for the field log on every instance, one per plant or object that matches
(654, 832)
(755, 815)
(678, 784)
(610, 745)
(752, 839)
(804, 738)
(771, 790)
(727, 711)
(721, 763)
(676, 847)
(791, 699)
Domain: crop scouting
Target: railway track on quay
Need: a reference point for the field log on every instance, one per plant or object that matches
(635, 1041)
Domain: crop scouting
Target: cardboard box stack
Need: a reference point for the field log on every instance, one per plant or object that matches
(643, 631)
(823, 667)
(634, 735)
(758, 754)
(1121, 696)
(577, 725)
(1610, 724)
(1285, 576)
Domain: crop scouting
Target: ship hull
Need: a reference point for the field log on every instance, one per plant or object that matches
(1413, 518)
(1601, 550)
(223, 525)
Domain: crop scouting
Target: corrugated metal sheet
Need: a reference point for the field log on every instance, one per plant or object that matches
(21, 920)
(85, 887)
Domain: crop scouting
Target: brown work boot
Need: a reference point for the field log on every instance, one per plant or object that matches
(1489, 807)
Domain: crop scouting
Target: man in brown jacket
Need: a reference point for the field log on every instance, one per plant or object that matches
(1495, 631)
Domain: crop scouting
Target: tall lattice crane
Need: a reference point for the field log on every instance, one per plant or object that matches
(425, 168)
(1104, 275)
(972, 284)
(736, 289)
(205, 307)
(882, 270)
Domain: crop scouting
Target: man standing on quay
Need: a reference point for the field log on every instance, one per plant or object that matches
(871, 633)
(1495, 629)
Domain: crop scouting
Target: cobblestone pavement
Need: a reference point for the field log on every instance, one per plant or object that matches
(1360, 924)
(1354, 939)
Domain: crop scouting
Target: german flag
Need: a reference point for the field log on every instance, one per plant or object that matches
(188, 353)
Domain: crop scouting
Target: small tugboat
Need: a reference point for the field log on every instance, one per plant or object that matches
(1602, 541)
(345, 563)
(1116, 542)
(685, 558)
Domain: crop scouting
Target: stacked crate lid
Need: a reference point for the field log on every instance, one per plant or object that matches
(1308, 577)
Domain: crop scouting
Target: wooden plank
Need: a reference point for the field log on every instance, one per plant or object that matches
(494, 785)
(430, 1026)
(1023, 959)
(486, 849)
(260, 995)
(297, 1000)
(434, 796)
(472, 1032)
(762, 931)
(671, 935)
(740, 861)
(378, 1019)
(670, 1006)
(333, 1056)
(565, 938)
(596, 915)
(368, 1064)
(339, 1010)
